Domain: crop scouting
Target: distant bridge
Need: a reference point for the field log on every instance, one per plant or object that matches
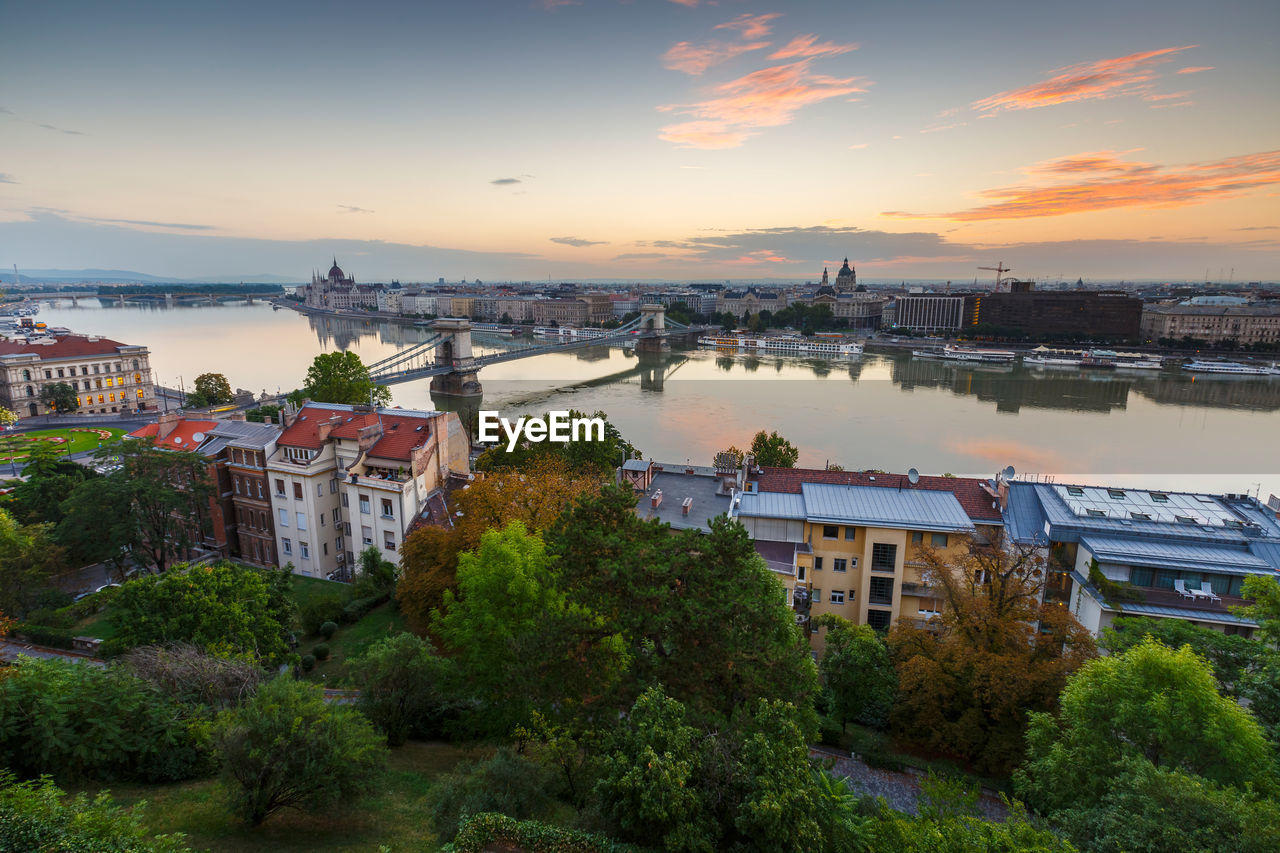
(447, 358)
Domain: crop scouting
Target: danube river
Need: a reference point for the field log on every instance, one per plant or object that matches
(1153, 429)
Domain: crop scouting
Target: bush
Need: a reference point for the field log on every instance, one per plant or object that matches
(507, 783)
(46, 635)
(288, 748)
(315, 613)
(39, 816)
(321, 651)
(490, 831)
(400, 682)
(358, 608)
(195, 677)
(51, 599)
(51, 618)
(308, 663)
(328, 629)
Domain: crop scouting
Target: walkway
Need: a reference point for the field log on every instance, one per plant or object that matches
(899, 788)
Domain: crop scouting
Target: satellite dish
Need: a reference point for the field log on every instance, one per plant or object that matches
(198, 437)
(1009, 472)
(913, 476)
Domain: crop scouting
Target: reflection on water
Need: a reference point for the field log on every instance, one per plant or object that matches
(872, 412)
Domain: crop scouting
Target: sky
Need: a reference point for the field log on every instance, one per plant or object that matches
(642, 139)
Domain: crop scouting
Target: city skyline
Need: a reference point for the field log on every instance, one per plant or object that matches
(646, 140)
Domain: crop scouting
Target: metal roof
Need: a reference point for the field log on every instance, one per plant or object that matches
(771, 505)
(1067, 526)
(1183, 613)
(636, 465)
(873, 506)
(1175, 555)
(1023, 518)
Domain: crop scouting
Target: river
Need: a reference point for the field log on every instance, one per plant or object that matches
(1141, 429)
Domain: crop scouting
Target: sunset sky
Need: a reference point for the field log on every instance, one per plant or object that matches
(649, 139)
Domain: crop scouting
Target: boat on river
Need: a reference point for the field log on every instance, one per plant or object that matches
(783, 344)
(951, 352)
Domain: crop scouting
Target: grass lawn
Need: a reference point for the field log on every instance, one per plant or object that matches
(304, 590)
(351, 641)
(391, 814)
(75, 440)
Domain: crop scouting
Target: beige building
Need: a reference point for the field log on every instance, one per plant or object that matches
(343, 478)
(107, 376)
(1247, 325)
(563, 312)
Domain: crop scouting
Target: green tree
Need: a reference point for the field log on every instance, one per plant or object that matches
(49, 479)
(150, 511)
(341, 377)
(856, 672)
(585, 454)
(1265, 610)
(288, 748)
(214, 388)
(225, 608)
(28, 558)
(1230, 656)
(38, 815)
(1150, 703)
(773, 451)
(260, 414)
(402, 687)
(60, 397)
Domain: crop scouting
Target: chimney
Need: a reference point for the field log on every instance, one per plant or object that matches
(368, 436)
(167, 423)
(686, 506)
(656, 500)
(323, 429)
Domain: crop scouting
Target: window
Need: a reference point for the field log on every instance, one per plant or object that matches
(839, 564)
(302, 521)
(837, 596)
(1159, 497)
(259, 481)
(830, 531)
(879, 619)
(816, 595)
(1186, 519)
(337, 518)
(325, 546)
(917, 538)
(319, 490)
(1139, 516)
(1095, 513)
(1115, 494)
(366, 535)
(321, 519)
(48, 374)
(297, 491)
(284, 517)
(236, 482)
(364, 504)
(388, 540)
(800, 573)
(338, 543)
(881, 591)
(387, 510)
(884, 557)
(1075, 491)
(344, 499)
(304, 550)
(938, 540)
(286, 546)
(333, 486)
(817, 564)
(850, 533)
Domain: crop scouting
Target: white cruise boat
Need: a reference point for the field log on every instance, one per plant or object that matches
(569, 333)
(951, 352)
(1132, 360)
(788, 345)
(1234, 368)
(1050, 357)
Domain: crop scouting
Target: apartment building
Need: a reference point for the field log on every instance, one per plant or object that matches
(1246, 325)
(343, 478)
(107, 376)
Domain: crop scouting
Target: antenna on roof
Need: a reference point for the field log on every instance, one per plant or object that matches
(913, 476)
(1008, 473)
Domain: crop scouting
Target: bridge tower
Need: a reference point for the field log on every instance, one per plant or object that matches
(653, 319)
(455, 352)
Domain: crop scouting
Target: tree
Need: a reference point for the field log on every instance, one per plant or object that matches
(261, 414)
(150, 511)
(60, 397)
(856, 672)
(214, 388)
(225, 608)
(7, 417)
(536, 495)
(49, 479)
(966, 684)
(28, 558)
(193, 676)
(508, 784)
(288, 748)
(585, 454)
(1265, 610)
(341, 377)
(1152, 704)
(773, 451)
(37, 815)
(401, 684)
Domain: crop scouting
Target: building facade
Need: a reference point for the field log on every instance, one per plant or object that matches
(1084, 313)
(1246, 325)
(107, 376)
(337, 291)
(562, 312)
(343, 478)
(929, 312)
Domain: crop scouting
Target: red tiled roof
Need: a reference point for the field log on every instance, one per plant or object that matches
(182, 437)
(976, 503)
(400, 435)
(66, 346)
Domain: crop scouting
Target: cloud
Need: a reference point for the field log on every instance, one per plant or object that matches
(6, 178)
(1102, 181)
(940, 127)
(766, 98)
(750, 26)
(352, 209)
(808, 46)
(859, 146)
(502, 182)
(146, 223)
(646, 256)
(1106, 78)
(696, 58)
(1194, 69)
(577, 241)
(60, 130)
(689, 3)
(552, 5)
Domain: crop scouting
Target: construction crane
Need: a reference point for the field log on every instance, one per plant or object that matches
(999, 269)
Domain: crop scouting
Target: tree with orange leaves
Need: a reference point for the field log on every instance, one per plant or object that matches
(534, 495)
(967, 682)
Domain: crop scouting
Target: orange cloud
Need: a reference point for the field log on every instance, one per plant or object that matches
(808, 46)
(1194, 69)
(763, 256)
(766, 98)
(697, 58)
(749, 26)
(1106, 78)
(1105, 182)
